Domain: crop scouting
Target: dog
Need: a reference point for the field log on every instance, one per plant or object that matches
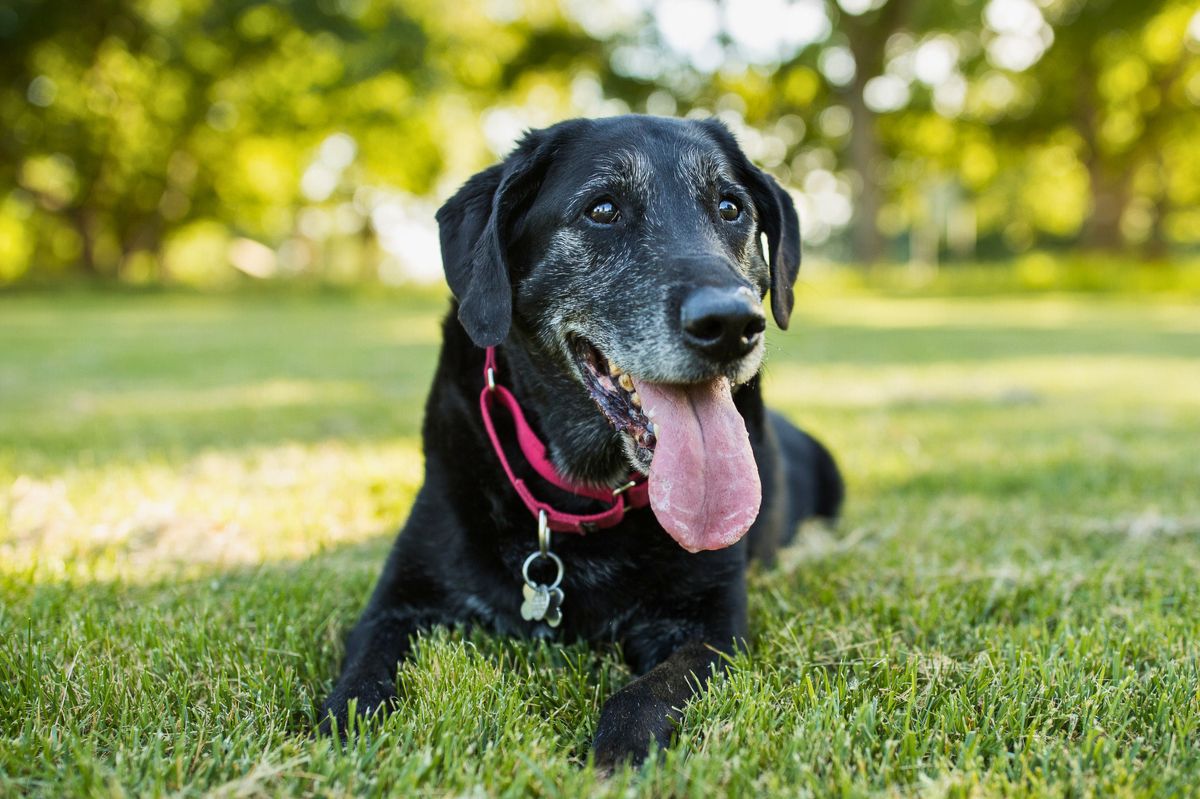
(601, 355)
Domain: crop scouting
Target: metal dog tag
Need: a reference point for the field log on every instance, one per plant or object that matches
(542, 602)
(537, 599)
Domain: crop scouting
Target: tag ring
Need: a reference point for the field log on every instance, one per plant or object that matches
(534, 556)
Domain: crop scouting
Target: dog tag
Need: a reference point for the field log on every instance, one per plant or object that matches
(537, 600)
(542, 604)
(554, 611)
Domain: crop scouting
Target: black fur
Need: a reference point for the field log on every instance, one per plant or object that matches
(527, 272)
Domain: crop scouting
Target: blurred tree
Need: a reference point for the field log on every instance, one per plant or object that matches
(138, 117)
(147, 119)
(867, 30)
(166, 139)
(1095, 81)
(886, 38)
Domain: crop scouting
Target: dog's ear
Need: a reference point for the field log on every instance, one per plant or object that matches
(474, 226)
(779, 220)
(776, 217)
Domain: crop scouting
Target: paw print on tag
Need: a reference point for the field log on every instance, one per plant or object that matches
(542, 604)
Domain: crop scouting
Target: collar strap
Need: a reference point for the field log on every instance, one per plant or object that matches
(634, 494)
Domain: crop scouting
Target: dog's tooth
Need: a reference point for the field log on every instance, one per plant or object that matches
(613, 369)
(650, 428)
(626, 382)
(635, 399)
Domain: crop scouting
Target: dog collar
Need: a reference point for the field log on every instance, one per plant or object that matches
(633, 494)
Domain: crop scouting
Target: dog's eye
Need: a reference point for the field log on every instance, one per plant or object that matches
(603, 212)
(729, 209)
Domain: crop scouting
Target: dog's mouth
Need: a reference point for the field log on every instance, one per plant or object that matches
(692, 442)
(615, 394)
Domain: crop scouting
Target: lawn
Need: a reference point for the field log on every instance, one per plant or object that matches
(196, 494)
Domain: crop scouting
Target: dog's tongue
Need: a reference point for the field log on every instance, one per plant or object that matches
(704, 485)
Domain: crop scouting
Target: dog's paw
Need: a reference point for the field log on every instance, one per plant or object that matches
(361, 699)
(630, 722)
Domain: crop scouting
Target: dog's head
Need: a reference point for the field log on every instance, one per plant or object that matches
(629, 249)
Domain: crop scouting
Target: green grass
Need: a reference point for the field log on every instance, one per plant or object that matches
(196, 494)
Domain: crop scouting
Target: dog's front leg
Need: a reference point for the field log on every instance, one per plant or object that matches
(381, 639)
(648, 708)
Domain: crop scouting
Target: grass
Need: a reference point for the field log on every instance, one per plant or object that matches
(196, 494)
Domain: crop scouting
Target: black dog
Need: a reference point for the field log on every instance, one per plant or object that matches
(616, 267)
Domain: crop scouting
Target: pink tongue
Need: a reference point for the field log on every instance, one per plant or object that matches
(704, 485)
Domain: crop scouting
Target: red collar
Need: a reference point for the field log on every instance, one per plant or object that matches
(634, 494)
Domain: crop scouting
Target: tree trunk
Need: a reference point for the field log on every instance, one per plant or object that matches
(81, 220)
(867, 156)
(1110, 195)
(1108, 182)
(868, 36)
(1156, 247)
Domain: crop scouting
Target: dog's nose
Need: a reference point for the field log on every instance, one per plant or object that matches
(722, 323)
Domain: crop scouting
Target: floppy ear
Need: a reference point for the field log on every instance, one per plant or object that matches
(473, 227)
(776, 217)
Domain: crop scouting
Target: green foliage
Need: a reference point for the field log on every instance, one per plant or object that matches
(196, 494)
(140, 123)
(152, 140)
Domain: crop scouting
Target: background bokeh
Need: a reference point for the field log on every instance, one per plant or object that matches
(185, 141)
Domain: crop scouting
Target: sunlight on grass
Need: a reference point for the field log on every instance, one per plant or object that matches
(1059, 313)
(142, 521)
(1108, 382)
